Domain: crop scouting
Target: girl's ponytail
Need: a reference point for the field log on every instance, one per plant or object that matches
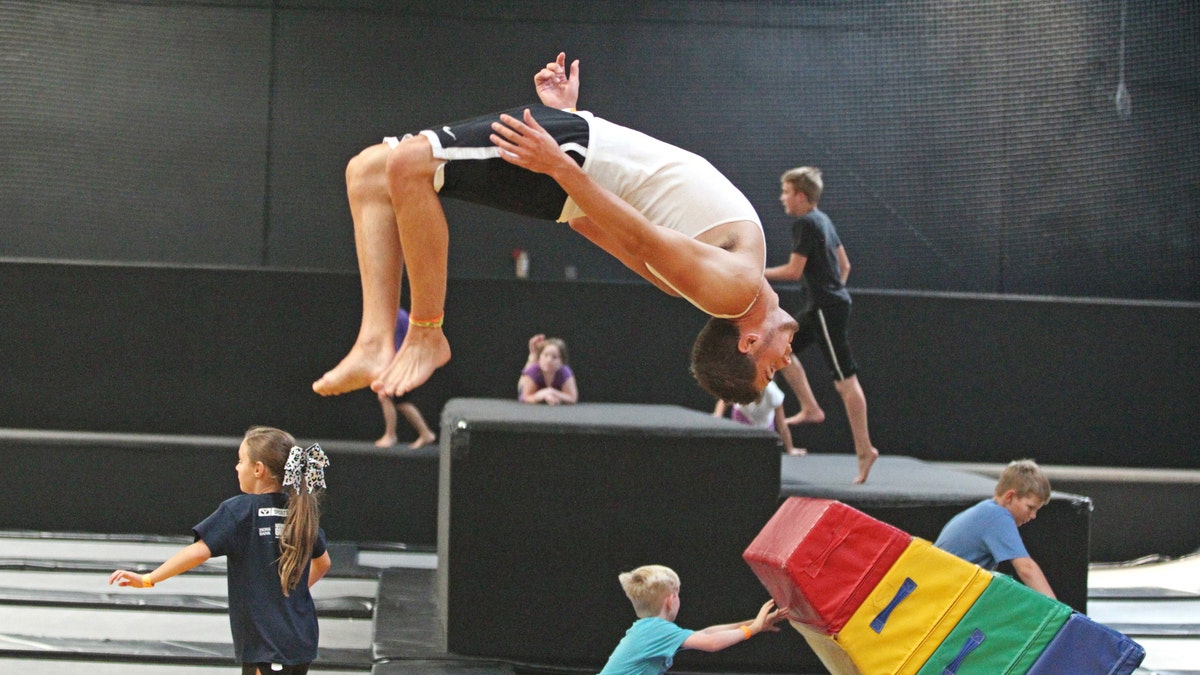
(305, 474)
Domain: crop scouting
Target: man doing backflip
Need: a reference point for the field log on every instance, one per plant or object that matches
(666, 213)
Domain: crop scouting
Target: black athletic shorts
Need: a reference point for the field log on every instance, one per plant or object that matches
(827, 326)
(475, 173)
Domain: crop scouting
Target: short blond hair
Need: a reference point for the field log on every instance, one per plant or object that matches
(1024, 477)
(805, 180)
(648, 588)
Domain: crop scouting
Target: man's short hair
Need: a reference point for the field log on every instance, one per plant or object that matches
(648, 587)
(1026, 478)
(720, 368)
(805, 180)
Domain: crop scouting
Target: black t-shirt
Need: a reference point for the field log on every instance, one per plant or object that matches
(267, 626)
(814, 237)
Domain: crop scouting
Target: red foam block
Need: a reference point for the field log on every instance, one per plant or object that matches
(821, 559)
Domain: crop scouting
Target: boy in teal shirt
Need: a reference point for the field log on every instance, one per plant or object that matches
(649, 646)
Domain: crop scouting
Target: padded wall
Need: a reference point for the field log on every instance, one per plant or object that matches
(134, 131)
(142, 484)
(953, 378)
(967, 146)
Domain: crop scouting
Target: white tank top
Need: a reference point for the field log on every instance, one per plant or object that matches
(670, 186)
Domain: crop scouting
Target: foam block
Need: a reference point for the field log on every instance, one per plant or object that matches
(1084, 647)
(912, 609)
(1003, 633)
(822, 558)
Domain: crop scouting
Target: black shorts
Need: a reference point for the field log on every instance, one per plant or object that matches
(827, 326)
(475, 173)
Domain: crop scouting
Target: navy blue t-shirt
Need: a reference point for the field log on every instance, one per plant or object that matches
(267, 626)
(814, 237)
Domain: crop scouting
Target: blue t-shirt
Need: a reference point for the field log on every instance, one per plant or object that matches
(648, 648)
(267, 627)
(985, 534)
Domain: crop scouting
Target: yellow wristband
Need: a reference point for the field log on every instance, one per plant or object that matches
(432, 323)
(146, 583)
(746, 630)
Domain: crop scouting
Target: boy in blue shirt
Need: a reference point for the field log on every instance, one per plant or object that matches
(986, 534)
(649, 646)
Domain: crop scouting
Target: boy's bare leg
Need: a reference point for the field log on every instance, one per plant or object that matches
(810, 410)
(380, 262)
(425, 239)
(856, 412)
(425, 435)
(388, 439)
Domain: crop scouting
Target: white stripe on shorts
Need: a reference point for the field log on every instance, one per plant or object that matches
(829, 344)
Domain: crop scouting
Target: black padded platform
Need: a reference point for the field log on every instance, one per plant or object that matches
(542, 507)
(920, 497)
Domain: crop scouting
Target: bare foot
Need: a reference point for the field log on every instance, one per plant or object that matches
(422, 441)
(797, 452)
(424, 351)
(813, 416)
(356, 370)
(386, 441)
(864, 466)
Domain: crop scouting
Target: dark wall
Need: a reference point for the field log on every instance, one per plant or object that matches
(376, 495)
(947, 377)
(967, 146)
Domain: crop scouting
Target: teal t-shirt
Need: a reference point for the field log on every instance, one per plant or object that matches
(648, 648)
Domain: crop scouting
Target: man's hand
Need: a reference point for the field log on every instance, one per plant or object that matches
(529, 146)
(555, 87)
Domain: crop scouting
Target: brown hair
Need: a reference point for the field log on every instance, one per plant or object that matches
(719, 367)
(557, 342)
(805, 180)
(1026, 478)
(271, 447)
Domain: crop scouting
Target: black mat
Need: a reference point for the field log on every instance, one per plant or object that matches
(406, 616)
(466, 414)
(893, 481)
(346, 607)
(442, 667)
(1140, 593)
(154, 651)
(343, 554)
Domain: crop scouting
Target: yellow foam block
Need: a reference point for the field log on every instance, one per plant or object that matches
(912, 609)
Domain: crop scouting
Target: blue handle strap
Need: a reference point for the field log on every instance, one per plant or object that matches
(903, 592)
(976, 639)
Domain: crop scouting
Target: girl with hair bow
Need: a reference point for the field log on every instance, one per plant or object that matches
(275, 547)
